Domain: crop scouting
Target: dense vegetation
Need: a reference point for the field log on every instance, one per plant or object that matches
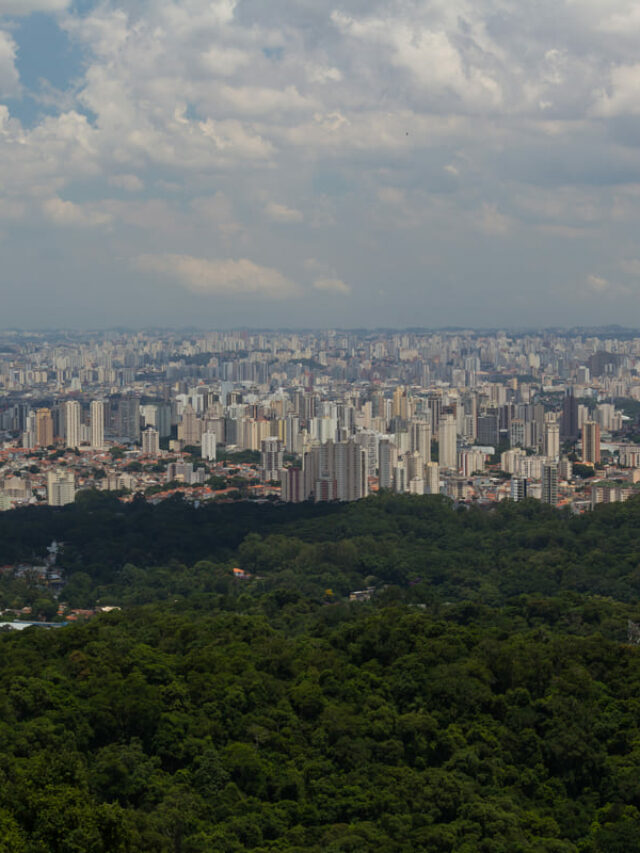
(486, 698)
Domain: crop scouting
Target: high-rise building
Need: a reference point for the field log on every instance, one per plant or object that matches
(293, 485)
(73, 413)
(387, 458)
(569, 423)
(432, 478)
(96, 411)
(400, 403)
(552, 440)
(61, 488)
(550, 483)
(190, 427)
(271, 459)
(591, 442)
(44, 428)
(400, 477)
(209, 443)
(488, 431)
(447, 443)
(336, 471)
(472, 461)
(129, 418)
(163, 419)
(150, 441)
(518, 488)
(420, 433)
(351, 471)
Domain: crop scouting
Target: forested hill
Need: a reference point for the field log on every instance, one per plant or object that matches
(421, 549)
(485, 699)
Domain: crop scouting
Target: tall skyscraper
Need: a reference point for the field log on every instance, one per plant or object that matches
(550, 483)
(44, 428)
(420, 432)
(351, 471)
(129, 418)
(591, 442)
(97, 424)
(387, 458)
(73, 412)
(552, 440)
(447, 442)
(569, 431)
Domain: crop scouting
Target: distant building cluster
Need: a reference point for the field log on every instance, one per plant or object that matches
(320, 416)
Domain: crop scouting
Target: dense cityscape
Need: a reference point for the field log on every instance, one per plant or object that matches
(321, 416)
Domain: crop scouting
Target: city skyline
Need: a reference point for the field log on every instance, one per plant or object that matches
(358, 165)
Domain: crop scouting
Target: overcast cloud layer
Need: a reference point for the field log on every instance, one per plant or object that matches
(352, 163)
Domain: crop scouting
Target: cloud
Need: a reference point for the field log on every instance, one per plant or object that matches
(9, 78)
(67, 213)
(429, 55)
(598, 284)
(282, 213)
(631, 266)
(222, 277)
(601, 286)
(130, 183)
(390, 133)
(622, 96)
(332, 285)
(26, 7)
(492, 221)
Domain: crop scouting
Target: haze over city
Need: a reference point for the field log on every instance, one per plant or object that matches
(318, 164)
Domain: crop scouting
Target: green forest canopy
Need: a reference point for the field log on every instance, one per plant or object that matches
(485, 699)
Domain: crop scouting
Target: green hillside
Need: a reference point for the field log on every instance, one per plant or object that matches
(486, 698)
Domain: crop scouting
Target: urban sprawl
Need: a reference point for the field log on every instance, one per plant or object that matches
(321, 416)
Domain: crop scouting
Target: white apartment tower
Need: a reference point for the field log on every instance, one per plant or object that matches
(72, 412)
(420, 432)
(432, 478)
(150, 441)
(61, 488)
(97, 424)
(447, 442)
(209, 443)
(552, 440)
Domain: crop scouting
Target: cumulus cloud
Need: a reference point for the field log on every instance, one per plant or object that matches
(598, 284)
(332, 285)
(403, 130)
(62, 212)
(9, 78)
(601, 286)
(622, 95)
(223, 277)
(282, 213)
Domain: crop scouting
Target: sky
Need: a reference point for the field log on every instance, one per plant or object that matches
(319, 163)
